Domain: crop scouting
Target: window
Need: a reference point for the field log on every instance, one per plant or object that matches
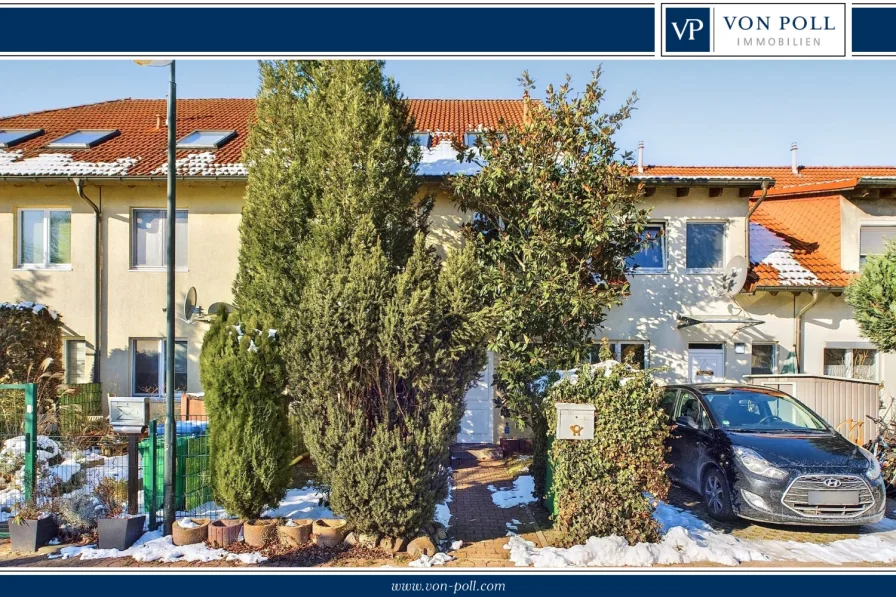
(148, 362)
(652, 256)
(45, 238)
(689, 407)
(854, 363)
(205, 139)
(149, 230)
(763, 361)
(12, 137)
(421, 139)
(83, 139)
(471, 137)
(667, 404)
(76, 361)
(632, 352)
(705, 245)
(873, 241)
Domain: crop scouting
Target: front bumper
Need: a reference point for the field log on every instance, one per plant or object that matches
(779, 510)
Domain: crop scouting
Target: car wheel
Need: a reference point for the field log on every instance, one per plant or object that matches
(717, 496)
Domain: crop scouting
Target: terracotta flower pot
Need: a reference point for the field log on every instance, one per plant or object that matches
(296, 534)
(222, 533)
(260, 532)
(329, 532)
(31, 535)
(198, 534)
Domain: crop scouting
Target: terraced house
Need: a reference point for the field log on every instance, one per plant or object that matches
(745, 276)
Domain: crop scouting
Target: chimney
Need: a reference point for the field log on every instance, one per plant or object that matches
(158, 121)
(794, 162)
(526, 107)
(640, 157)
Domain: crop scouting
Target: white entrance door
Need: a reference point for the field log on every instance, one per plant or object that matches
(707, 365)
(476, 427)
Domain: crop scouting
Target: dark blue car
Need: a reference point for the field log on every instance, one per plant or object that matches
(760, 454)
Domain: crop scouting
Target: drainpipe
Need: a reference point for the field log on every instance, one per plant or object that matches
(798, 330)
(750, 211)
(97, 273)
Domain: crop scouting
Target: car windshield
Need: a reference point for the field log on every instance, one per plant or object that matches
(749, 410)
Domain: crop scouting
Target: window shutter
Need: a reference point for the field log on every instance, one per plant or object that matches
(873, 239)
(75, 361)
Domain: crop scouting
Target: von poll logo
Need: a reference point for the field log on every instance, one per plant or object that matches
(687, 29)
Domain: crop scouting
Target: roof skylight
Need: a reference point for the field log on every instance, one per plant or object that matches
(83, 139)
(205, 139)
(421, 139)
(11, 137)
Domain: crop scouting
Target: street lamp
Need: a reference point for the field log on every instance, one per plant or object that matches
(170, 424)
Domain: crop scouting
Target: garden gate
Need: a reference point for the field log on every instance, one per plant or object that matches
(16, 471)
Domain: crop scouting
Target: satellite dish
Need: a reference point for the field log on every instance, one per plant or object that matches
(216, 308)
(190, 308)
(733, 278)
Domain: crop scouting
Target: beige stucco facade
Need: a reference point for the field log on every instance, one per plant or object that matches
(133, 300)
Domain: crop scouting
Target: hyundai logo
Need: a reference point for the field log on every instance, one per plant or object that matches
(832, 483)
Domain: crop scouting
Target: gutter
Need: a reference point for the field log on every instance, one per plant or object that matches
(97, 273)
(798, 330)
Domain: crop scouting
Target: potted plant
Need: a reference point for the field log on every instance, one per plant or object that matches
(224, 532)
(259, 532)
(328, 532)
(117, 530)
(188, 531)
(31, 528)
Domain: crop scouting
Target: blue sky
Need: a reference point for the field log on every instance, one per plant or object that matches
(690, 112)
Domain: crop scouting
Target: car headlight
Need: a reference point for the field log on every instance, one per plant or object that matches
(755, 463)
(873, 471)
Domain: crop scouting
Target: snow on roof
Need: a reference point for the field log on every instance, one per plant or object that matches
(767, 248)
(441, 160)
(202, 164)
(60, 164)
(35, 308)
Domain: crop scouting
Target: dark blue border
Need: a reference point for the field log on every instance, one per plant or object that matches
(278, 30)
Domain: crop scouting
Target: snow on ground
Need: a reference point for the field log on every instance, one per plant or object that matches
(424, 561)
(688, 539)
(153, 547)
(301, 503)
(522, 493)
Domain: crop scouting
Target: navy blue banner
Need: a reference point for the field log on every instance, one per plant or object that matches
(873, 29)
(278, 30)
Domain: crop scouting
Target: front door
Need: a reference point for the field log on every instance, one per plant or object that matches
(707, 363)
(476, 427)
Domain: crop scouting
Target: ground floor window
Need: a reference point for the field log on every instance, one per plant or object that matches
(635, 350)
(76, 361)
(854, 363)
(763, 360)
(148, 366)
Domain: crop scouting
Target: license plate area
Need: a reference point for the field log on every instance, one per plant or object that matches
(833, 498)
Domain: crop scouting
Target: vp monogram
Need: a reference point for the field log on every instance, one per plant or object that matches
(690, 27)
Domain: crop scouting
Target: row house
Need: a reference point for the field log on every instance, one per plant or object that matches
(745, 275)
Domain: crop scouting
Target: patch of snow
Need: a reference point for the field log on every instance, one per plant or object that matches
(60, 164)
(301, 503)
(455, 545)
(441, 160)
(187, 523)
(767, 248)
(66, 469)
(687, 539)
(522, 493)
(153, 547)
(424, 561)
(202, 164)
(46, 448)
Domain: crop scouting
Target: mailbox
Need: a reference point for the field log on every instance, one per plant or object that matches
(575, 421)
(128, 414)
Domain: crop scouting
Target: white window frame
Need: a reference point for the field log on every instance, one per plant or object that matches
(665, 247)
(875, 223)
(66, 343)
(154, 268)
(161, 381)
(849, 347)
(46, 223)
(616, 347)
(774, 346)
(707, 270)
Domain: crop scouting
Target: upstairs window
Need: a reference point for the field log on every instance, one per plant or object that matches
(205, 139)
(873, 241)
(83, 139)
(45, 238)
(149, 232)
(652, 256)
(471, 137)
(705, 246)
(421, 139)
(12, 137)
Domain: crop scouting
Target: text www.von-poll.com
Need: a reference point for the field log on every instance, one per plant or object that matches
(470, 586)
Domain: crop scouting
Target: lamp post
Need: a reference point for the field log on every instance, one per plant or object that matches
(170, 423)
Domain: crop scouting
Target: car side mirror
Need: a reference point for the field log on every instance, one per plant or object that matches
(687, 421)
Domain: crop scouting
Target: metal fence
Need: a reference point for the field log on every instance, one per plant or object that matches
(12, 450)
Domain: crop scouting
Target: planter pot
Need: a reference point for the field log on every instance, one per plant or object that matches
(260, 532)
(296, 534)
(31, 535)
(119, 533)
(329, 532)
(222, 533)
(182, 536)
